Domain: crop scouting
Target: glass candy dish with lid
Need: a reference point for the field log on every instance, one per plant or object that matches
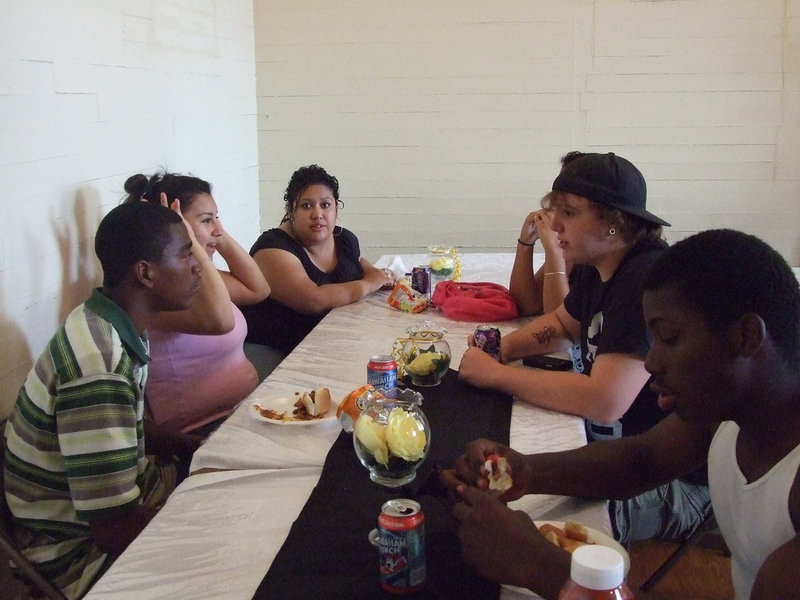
(425, 356)
(392, 437)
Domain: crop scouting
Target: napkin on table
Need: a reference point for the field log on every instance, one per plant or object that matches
(394, 263)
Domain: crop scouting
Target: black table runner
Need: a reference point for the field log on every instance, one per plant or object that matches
(327, 554)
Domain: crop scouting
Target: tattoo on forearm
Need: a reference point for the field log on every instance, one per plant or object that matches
(546, 335)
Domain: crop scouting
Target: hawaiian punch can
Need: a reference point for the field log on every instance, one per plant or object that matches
(382, 373)
(401, 546)
(487, 338)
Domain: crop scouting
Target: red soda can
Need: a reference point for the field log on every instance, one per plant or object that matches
(487, 338)
(421, 281)
(382, 373)
(401, 546)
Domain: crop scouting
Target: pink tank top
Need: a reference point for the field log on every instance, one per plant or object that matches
(195, 379)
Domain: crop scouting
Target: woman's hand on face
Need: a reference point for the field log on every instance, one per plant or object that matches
(530, 231)
(544, 219)
(175, 206)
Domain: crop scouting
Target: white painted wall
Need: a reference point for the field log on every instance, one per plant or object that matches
(444, 121)
(92, 91)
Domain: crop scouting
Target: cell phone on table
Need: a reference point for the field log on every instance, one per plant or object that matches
(550, 363)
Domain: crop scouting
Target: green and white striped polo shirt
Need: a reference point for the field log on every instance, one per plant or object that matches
(75, 441)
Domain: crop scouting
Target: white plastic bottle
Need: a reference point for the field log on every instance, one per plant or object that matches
(596, 573)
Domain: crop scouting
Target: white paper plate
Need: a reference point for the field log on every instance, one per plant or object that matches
(284, 403)
(597, 537)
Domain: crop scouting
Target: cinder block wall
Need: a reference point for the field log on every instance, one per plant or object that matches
(444, 121)
(90, 93)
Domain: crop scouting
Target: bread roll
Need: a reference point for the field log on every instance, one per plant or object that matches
(497, 472)
(317, 402)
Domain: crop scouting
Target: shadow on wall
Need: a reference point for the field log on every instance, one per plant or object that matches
(80, 269)
(16, 359)
(80, 272)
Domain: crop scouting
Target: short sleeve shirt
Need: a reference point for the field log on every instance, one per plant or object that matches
(612, 321)
(274, 324)
(75, 437)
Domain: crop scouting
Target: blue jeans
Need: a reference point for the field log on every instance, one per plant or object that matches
(671, 512)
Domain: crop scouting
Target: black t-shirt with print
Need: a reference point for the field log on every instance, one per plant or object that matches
(612, 321)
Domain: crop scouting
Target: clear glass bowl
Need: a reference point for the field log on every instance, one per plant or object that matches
(425, 355)
(392, 437)
(441, 262)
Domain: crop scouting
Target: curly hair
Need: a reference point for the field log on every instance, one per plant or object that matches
(723, 274)
(183, 187)
(303, 178)
(632, 228)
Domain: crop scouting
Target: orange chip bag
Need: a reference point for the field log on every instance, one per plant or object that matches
(403, 297)
(350, 408)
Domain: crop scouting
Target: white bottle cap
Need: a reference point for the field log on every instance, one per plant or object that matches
(597, 567)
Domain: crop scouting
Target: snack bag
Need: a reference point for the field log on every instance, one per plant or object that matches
(403, 297)
(350, 408)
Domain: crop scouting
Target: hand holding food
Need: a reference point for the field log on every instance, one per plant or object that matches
(496, 467)
(498, 473)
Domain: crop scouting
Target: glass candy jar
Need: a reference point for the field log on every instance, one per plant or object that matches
(444, 264)
(426, 354)
(392, 437)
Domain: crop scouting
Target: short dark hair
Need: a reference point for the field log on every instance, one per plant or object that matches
(183, 187)
(131, 232)
(723, 274)
(303, 178)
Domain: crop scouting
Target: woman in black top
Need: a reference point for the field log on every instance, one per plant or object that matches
(311, 264)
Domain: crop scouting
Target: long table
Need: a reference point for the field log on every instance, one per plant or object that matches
(222, 527)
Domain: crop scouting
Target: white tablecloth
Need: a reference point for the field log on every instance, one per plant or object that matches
(219, 532)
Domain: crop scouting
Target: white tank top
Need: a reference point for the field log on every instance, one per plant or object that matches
(753, 517)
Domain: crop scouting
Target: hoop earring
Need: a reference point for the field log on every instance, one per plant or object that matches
(612, 231)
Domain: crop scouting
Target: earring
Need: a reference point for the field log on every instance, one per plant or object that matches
(612, 231)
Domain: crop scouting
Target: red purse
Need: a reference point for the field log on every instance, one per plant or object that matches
(481, 301)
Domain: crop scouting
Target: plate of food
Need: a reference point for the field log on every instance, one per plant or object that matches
(295, 408)
(570, 535)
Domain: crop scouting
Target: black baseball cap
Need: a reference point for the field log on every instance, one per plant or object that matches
(608, 179)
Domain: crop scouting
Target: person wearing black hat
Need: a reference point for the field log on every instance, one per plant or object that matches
(599, 214)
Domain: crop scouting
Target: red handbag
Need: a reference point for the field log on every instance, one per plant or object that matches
(481, 301)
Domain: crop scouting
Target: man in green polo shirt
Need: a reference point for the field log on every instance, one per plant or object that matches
(79, 479)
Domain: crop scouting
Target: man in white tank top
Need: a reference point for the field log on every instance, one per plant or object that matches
(724, 311)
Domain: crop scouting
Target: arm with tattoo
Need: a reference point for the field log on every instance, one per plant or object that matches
(549, 333)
